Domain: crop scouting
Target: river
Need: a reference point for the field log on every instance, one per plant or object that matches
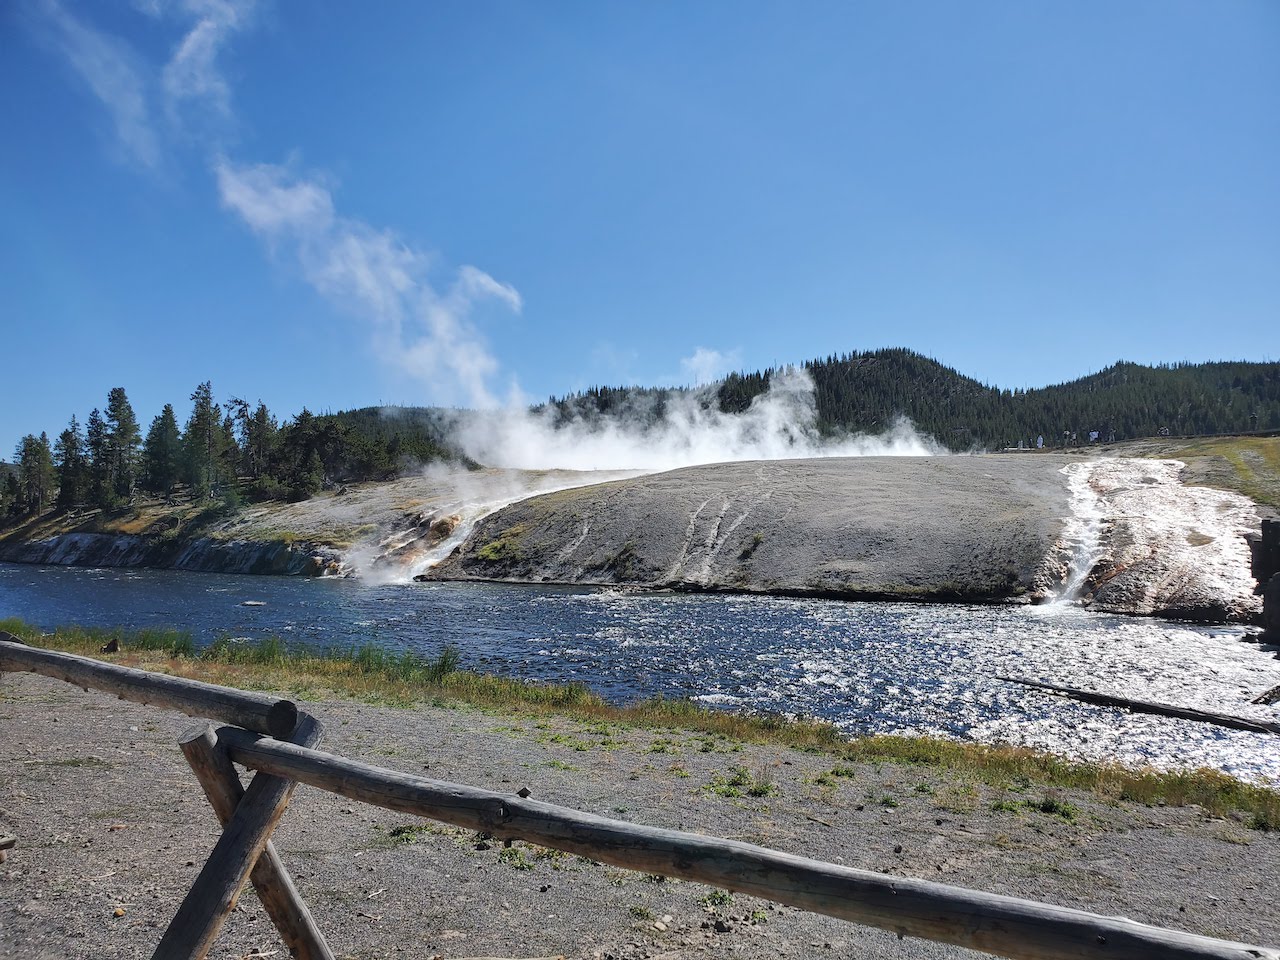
(868, 667)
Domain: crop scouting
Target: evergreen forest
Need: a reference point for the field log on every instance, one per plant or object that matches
(868, 392)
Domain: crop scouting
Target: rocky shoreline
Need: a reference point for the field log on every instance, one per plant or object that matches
(201, 555)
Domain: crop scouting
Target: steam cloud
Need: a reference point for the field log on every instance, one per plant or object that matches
(779, 425)
(373, 275)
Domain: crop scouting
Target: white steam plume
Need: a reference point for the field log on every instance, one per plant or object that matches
(706, 366)
(779, 425)
(192, 73)
(425, 332)
(112, 72)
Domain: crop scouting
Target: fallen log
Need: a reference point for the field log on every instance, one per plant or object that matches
(1145, 706)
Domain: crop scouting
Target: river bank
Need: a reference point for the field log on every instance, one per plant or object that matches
(1128, 535)
(385, 885)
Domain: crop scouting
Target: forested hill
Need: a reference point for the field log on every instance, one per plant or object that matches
(867, 392)
(235, 449)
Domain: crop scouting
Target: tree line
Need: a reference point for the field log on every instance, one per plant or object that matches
(225, 452)
(867, 392)
(233, 450)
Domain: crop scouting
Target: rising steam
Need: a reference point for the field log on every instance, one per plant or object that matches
(780, 424)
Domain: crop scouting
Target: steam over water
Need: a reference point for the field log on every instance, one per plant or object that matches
(871, 668)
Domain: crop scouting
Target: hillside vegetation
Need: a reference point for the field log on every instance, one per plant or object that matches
(867, 392)
(234, 451)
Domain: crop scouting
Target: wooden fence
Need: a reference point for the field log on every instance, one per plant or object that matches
(277, 741)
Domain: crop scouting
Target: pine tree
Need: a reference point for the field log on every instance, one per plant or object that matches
(36, 476)
(162, 453)
(201, 442)
(10, 495)
(257, 437)
(123, 440)
(312, 478)
(99, 492)
(228, 451)
(72, 466)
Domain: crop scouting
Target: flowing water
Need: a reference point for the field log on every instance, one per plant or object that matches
(868, 667)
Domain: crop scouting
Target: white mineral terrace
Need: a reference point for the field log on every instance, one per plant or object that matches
(1141, 540)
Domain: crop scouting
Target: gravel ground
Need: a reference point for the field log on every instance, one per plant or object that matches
(110, 821)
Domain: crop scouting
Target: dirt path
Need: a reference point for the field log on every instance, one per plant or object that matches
(109, 818)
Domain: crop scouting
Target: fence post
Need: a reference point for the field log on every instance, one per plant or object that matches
(280, 898)
(205, 908)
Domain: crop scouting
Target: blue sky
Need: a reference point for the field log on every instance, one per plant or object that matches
(338, 205)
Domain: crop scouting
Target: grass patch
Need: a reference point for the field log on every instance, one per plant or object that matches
(717, 898)
(1049, 805)
(741, 782)
(503, 549)
(514, 858)
(376, 675)
(1253, 462)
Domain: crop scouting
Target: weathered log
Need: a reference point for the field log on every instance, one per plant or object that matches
(1144, 706)
(212, 896)
(251, 711)
(280, 898)
(981, 921)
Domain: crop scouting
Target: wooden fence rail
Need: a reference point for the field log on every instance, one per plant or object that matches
(995, 924)
(251, 711)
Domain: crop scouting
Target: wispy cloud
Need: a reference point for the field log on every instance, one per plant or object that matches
(425, 332)
(110, 69)
(192, 73)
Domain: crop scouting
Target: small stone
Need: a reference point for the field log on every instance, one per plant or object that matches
(898, 848)
(722, 927)
(118, 912)
(666, 918)
(659, 925)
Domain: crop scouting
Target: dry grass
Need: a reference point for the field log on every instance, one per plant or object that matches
(1251, 465)
(376, 675)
